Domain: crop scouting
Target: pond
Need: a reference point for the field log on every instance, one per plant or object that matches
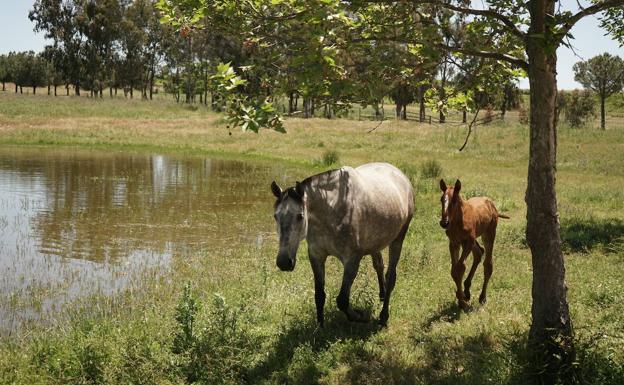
(76, 223)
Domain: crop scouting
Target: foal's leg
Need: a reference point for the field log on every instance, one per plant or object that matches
(318, 268)
(379, 268)
(477, 252)
(351, 267)
(488, 242)
(395, 254)
(458, 269)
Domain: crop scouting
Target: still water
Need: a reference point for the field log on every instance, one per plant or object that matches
(78, 223)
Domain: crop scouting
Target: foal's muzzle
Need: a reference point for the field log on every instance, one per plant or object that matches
(285, 263)
(444, 223)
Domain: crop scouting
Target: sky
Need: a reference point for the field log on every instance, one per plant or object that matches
(16, 34)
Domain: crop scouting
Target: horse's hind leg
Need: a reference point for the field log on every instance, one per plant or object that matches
(477, 252)
(395, 254)
(379, 268)
(351, 267)
(488, 242)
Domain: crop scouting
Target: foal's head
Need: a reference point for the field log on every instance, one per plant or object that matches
(291, 217)
(449, 199)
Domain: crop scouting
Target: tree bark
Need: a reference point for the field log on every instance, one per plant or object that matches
(551, 328)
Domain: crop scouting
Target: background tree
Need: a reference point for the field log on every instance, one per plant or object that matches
(603, 74)
(5, 74)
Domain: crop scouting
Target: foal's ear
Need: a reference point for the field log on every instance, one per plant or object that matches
(277, 191)
(442, 185)
(457, 187)
(299, 189)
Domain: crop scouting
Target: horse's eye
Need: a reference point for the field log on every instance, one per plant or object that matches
(299, 216)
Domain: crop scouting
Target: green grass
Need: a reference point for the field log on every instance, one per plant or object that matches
(242, 321)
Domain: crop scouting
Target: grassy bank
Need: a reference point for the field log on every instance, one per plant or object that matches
(228, 315)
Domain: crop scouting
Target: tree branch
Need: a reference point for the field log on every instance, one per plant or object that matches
(488, 13)
(515, 61)
(520, 63)
(591, 10)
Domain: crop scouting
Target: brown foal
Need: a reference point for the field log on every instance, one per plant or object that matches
(464, 221)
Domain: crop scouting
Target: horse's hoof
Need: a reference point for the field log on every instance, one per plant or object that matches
(464, 306)
(382, 324)
(482, 299)
(467, 294)
(382, 297)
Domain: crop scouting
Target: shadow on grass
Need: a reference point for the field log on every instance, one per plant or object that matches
(450, 312)
(306, 333)
(585, 234)
(344, 353)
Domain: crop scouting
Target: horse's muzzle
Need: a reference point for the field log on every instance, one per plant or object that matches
(444, 223)
(285, 263)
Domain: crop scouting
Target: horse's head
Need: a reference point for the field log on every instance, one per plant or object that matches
(291, 217)
(449, 199)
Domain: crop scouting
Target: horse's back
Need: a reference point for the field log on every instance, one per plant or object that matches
(384, 182)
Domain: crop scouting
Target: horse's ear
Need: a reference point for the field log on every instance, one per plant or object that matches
(277, 191)
(457, 187)
(442, 185)
(299, 189)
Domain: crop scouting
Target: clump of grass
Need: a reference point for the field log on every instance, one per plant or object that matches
(222, 343)
(430, 169)
(330, 158)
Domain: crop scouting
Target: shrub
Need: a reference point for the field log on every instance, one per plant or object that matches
(431, 169)
(580, 108)
(523, 115)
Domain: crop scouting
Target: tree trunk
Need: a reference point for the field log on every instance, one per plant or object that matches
(551, 327)
(422, 108)
(55, 89)
(34, 90)
(77, 88)
(3, 87)
(151, 84)
(603, 123)
(49, 89)
(399, 108)
(21, 90)
(464, 117)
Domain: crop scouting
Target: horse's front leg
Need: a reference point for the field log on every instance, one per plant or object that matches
(458, 269)
(317, 260)
(351, 267)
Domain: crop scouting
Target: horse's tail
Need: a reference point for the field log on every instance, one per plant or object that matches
(503, 216)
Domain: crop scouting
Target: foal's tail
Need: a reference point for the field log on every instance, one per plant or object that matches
(503, 216)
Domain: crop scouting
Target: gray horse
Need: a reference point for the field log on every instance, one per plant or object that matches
(347, 213)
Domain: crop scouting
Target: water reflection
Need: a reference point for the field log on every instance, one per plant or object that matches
(74, 223)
